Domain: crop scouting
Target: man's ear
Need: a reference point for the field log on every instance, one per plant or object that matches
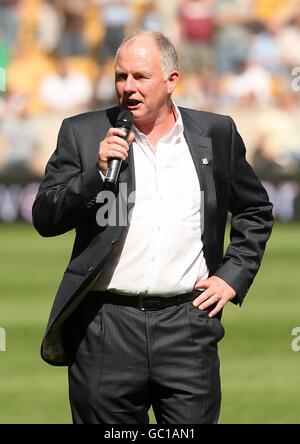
(172, 81)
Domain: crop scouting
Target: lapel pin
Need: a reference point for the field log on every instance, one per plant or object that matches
(205, 161)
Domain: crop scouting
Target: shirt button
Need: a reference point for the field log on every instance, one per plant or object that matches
(153, 259)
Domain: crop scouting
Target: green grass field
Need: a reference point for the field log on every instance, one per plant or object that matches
(260, 372)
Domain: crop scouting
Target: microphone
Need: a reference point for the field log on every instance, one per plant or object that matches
(124, 122)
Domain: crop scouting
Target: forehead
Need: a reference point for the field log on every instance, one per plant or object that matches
(138, 53)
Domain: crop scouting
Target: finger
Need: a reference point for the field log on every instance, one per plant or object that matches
(203, 297)
(202, 284)
(217, 308)
(113, 153)
(116, 132)
(117, 154)
(116, 140)
(210, 301)
(116, 147)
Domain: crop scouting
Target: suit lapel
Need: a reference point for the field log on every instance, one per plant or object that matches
(127, 174)
(200, 147)
(126, 188)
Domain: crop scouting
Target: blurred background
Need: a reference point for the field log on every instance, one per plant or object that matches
(237, 57)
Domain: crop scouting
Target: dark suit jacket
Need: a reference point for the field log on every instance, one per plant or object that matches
(67, 200)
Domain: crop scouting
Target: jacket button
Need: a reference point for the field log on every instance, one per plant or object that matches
(91, 269)
(113, 241)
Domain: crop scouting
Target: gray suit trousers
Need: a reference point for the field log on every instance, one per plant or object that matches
(127, 360)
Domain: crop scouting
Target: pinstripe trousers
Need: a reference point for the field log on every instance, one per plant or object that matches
(126, 360)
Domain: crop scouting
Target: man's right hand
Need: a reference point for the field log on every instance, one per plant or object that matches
(113, 147)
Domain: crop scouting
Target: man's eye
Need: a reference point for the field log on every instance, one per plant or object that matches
(121, 77)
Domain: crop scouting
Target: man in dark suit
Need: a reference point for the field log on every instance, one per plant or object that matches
(137, 315)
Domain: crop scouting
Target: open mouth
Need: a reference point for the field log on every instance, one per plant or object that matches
(133, 103)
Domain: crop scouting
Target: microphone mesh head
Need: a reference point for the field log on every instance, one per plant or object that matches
(125, 118)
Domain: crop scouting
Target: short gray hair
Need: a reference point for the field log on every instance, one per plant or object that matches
(168, 54)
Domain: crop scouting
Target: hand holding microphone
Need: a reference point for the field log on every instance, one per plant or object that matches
(114, 148)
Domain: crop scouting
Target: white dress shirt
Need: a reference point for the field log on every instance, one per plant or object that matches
(161, 251)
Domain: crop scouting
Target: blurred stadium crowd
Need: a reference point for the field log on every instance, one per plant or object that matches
(238, 57)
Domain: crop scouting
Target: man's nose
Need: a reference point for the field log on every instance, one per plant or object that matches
(130, 84)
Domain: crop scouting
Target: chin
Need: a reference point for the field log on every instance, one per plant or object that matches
(136, 114)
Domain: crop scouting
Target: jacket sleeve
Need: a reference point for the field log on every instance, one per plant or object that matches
(68, 192)
(251, 222)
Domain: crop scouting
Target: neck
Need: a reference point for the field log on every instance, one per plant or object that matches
(161, 125)
(157, 129)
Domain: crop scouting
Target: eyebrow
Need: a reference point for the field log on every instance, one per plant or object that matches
(142, 73)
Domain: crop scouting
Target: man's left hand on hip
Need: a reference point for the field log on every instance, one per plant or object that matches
(216, 291)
